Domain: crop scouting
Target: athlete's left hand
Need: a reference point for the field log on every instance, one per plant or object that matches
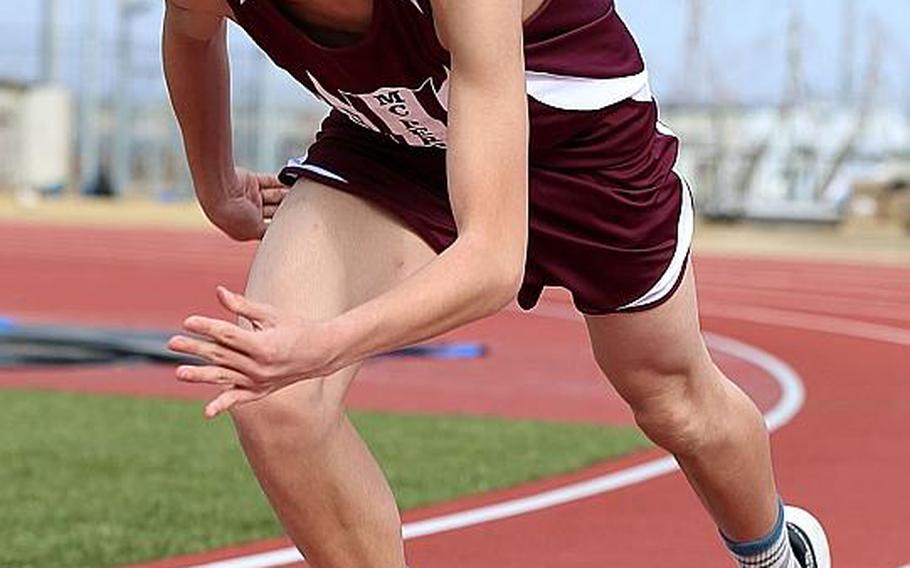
(250, 364)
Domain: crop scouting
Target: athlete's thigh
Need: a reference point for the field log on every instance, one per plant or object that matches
(327, 251)
(642, 352)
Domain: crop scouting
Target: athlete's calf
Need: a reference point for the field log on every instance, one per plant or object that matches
(658, 362)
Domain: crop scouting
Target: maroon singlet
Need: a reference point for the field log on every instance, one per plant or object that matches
(609, 219)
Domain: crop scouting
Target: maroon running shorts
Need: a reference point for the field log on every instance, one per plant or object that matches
(610, 219)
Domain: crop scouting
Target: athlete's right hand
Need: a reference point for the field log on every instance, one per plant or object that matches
(247, 208)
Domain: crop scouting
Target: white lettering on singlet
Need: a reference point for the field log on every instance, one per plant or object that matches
(403, 113)
(398, 108)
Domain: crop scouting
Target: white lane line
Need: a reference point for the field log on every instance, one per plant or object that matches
(812, 322)
(792, 399)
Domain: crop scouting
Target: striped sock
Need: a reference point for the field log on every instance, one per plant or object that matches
(772, 551)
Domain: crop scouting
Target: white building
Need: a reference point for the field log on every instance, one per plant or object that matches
(36, 132)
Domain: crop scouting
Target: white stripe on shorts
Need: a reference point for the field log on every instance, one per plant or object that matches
(303, 165)
(684, 231)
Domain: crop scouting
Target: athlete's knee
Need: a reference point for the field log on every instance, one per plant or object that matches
(694, 410)
(300, 416)
(675, 425)
(675, 405)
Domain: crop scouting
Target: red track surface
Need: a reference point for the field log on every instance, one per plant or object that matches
(845, 328)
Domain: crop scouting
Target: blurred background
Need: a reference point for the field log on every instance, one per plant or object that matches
(795, 121)
(793, 110)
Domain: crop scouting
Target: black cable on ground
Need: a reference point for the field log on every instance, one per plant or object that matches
(49, 345)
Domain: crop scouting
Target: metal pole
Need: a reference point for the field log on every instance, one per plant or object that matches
(264, 126)
(873, 79)
(89, 140)
(695, 75)
(121, 158)
(848, 54)
(50, 42)
(795, 82)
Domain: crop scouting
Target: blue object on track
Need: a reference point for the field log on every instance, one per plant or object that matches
(6, 324)
(442, 351)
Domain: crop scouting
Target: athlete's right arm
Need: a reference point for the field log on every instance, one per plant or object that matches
(196, 68)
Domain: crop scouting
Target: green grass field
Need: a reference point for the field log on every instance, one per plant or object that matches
(90, 481)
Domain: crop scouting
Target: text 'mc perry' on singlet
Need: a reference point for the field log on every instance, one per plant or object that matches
(394, 79)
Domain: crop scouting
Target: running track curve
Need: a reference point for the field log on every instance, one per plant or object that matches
(844, 328)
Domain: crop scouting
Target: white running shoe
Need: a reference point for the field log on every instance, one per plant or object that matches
(808, 539)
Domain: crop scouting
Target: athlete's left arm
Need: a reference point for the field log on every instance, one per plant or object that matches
(474, 278)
